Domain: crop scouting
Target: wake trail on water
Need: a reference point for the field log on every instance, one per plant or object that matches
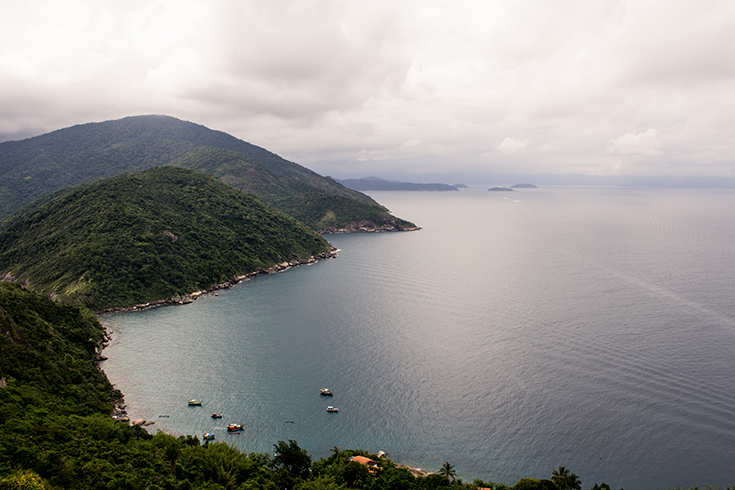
(669, 387)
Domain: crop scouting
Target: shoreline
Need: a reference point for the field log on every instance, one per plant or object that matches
(191, 297)
(119, 411)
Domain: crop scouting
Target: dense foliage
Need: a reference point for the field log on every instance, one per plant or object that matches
(310, 201)
(35, 167)
(147, 236)
(56, 432)
(46, 357)
(341, 213)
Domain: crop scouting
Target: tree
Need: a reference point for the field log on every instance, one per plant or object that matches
(565, 480)
(433, 481)
(603, 486)
(448, 471)
(290, 456)
(320, 483)
(533, 484)
(355, 474)
(23, 480)
(172, 453)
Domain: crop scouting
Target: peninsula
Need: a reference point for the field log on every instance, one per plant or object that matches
(152, 236)
(378, 184)
(36, 167)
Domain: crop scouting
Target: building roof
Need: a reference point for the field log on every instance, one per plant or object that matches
(363, 460)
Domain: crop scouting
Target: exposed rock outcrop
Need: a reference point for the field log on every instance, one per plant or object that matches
(370, 227)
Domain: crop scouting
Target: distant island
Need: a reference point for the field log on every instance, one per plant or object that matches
(512, 188)
(378, 184)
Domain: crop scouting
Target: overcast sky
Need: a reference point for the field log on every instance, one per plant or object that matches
(420, 88)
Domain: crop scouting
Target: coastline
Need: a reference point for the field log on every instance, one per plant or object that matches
(368, 227)
(119, 411)
(365, 227)
(189, 298)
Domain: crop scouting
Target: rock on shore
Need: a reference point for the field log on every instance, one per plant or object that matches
(188, 298)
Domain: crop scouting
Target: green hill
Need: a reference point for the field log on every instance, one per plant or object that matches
(147, 236)
(38, 166)
(49, 348)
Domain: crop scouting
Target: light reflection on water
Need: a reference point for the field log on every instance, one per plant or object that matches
(590, 328)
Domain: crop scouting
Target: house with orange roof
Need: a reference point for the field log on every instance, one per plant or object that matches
(372, 465)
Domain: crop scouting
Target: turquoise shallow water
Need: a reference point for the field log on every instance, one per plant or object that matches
(587, 327)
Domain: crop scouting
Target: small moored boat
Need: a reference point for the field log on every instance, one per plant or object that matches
(216, 415)
(234, 428)
(332, 409)
(195, 403)
(208, 436)
(326, 392)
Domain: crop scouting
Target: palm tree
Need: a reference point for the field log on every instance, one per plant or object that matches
(448, 471)
(172, 453)
(565, 479)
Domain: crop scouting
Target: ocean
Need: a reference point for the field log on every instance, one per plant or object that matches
(585, 327)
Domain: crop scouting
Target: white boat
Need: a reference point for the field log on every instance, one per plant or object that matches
(326, 392)
(332, 409)
(195, 403)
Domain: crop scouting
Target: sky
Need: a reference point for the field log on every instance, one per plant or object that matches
(426, 91)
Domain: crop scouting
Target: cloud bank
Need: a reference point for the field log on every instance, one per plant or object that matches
(369, 88)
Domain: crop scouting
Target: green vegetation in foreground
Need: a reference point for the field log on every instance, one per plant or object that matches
(148, 236)
(36, 167)
(56, 432)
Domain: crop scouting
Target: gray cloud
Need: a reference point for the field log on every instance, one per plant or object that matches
(355, 88)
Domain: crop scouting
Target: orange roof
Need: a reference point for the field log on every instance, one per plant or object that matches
(367, 462)
(363, 460)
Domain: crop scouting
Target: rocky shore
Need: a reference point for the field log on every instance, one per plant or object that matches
(119, 411)
(369, 227)
(188, 298)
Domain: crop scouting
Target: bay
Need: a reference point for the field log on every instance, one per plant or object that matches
(516, 332)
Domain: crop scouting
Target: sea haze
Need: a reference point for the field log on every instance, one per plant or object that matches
(592, 328)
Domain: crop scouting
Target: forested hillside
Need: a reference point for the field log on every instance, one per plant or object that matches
(147, 236)
(38, 166)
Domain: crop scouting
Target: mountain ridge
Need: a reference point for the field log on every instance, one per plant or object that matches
(38, 166)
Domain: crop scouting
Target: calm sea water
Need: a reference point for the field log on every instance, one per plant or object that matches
(592, 328)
